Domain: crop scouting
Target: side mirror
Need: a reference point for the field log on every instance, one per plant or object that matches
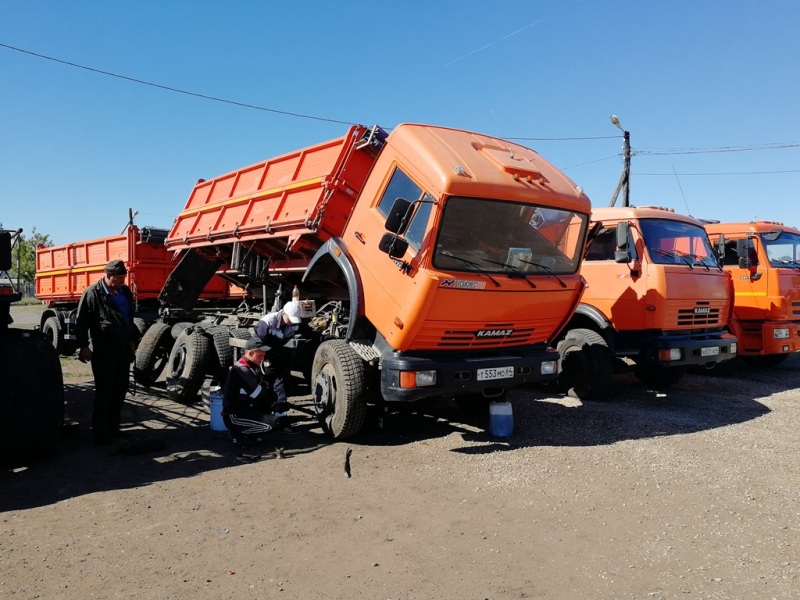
(748, 258)
(719, 246)
(623, 252)
(393, 245)
(399, 216)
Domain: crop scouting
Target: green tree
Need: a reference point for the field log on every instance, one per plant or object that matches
(29, 243)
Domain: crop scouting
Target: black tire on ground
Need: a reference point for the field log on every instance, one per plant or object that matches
(178, 328)
(32, 401)
(339, 389)
(186, 368)
(223, 352)
(586, 365)
(240, 333)
(152, 353)
(141, 325)
(764, 362)
(53, 331)
(659, 379)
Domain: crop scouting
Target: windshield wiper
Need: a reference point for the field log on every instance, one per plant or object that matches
(548, 269)
(471, 264)
(791, 263)
(514, 270)
(674, 254)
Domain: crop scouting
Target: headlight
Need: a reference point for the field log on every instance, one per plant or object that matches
(415, 379)
(734, 347)
(548, 367)
(781, 334)
(669, 354)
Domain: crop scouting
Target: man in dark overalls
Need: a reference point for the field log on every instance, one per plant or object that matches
(105, 315)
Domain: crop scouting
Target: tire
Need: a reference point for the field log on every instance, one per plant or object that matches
(178, 328)
(152, 354)
(186, 367)
(53, 331)
(586, 366)
(240, 333)
(141, 325)
(32, 402)
(659, 379)
(339, 389)
(766, 361)
(223, 351)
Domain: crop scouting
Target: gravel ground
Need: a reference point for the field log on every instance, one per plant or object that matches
(690, 493)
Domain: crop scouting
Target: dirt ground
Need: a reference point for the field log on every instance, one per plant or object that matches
(692, 493)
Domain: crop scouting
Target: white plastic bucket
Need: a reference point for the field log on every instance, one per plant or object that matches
(501, 419)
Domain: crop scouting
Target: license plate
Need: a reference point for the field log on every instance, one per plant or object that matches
(495, 373)
(709, 351)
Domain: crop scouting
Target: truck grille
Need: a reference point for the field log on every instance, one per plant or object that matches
(491, 335)
(698, 316)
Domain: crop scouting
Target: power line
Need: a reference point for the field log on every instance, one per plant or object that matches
(172, 89)
(717, 173)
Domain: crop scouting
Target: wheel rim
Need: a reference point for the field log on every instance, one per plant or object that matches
(179, 362)
(325, 393)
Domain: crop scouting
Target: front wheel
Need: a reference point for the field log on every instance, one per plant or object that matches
(53, 331)
(587, 365)
(339, 389)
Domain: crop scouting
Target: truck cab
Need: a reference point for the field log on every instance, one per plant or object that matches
(656, 299)
(763, 258)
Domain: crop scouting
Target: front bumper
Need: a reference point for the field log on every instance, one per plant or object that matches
(457, 372)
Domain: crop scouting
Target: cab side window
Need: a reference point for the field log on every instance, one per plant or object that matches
(603, 246)
(401, 186)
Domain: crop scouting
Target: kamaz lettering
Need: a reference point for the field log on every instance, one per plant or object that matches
(494, 333)
(463, 284)
(702, 310)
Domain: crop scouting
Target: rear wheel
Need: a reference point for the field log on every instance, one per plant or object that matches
(339, 389)
(587, 365)
(222, 358)
(659, 379)
(187, 365)
(32, 402)
(53, 331)
(152, 354)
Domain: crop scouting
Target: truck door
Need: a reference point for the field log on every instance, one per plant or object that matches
(387, 283)
(750, 282)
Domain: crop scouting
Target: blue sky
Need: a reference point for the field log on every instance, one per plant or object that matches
(685, 77)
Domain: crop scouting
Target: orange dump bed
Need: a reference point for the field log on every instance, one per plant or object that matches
(62, 272)
(287, 206)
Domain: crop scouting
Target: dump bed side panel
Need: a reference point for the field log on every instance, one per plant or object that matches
(283, 207)
(63, 272)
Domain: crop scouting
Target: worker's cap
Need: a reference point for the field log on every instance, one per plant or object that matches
(116, 267)
(292, 310)
(256, 343)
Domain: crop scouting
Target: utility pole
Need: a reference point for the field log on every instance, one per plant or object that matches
(625, 178)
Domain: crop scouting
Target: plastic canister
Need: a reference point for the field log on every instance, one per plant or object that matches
(212, 395)
(501, 419)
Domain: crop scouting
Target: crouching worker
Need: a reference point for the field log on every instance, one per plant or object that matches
(248, 403)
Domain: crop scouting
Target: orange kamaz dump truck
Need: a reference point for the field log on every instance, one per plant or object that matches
(764, 259)
(437, 262)
(64, 271)
(656, 298)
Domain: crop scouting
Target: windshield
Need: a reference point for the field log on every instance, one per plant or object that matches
(783, 251)
(675, 242)
(495, 236)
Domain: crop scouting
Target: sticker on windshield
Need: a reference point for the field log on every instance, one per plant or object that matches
(463, 284)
